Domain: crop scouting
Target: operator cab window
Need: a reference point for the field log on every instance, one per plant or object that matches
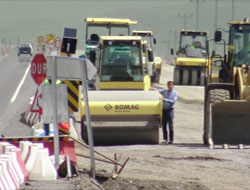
(241, 44)
(121, 63)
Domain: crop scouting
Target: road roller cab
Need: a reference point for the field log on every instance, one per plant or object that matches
(120, 64)
(192, 62)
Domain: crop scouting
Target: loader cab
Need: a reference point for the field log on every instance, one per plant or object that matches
(120, 63)
(193, 44)
(239, 44)
(238, 49)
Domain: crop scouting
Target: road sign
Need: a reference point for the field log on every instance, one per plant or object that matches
(69, 45)
(38, 68)
(34, 106)
(62, 103)
(57, 42)
(69, 68)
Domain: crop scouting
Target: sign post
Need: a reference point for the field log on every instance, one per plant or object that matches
(76, 69)
(88, 119)
(55, 123)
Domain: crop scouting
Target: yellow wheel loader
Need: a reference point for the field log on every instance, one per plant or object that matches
(157, 63)
(227, 106)
(191, 62)
(123, 110)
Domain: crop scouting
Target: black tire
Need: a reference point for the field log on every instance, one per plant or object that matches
(212, 97)
(157, 77)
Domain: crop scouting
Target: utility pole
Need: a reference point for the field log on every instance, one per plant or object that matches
(215, 20)
(185, 16)
(175, 38)
(197, 2)
(233, 10)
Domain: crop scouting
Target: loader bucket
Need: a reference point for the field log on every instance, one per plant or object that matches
(231, 122)
(123, 117)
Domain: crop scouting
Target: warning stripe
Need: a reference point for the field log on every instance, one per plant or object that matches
(73, 101)
(72, 88)
(46, 138)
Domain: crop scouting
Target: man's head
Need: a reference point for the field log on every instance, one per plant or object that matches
(170, 85)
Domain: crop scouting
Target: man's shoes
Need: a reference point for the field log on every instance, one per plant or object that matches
(164, 142)
(170, 142)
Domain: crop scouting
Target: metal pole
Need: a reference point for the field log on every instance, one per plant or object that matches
(232, 10)
(197, 12)
(197, 15)
(215, 20)
(88, 119)
(55, 123)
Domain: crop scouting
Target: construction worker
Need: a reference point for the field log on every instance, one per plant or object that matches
(169, 98)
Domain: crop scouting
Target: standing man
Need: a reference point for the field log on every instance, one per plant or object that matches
(169, 98)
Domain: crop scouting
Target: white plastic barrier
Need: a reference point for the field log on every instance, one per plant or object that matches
(32, 155)
(24, 146)
(43, 169)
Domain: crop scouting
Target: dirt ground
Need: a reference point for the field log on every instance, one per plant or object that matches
(185, 165)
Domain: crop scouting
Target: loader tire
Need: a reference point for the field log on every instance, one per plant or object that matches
(212, 97)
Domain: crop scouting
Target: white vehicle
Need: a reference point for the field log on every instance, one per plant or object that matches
(25, 49)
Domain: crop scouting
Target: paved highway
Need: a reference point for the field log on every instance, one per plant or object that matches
(16, 87)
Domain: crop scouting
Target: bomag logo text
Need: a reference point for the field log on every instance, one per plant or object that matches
(127, 107)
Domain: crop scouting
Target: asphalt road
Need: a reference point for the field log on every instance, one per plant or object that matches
(16, 89)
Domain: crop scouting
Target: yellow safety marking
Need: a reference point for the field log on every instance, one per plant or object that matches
(72, 87)
(73, 101)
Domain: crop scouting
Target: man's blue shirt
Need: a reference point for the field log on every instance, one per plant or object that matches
(169, 98)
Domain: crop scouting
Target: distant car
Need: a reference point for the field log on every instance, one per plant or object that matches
(25, 49)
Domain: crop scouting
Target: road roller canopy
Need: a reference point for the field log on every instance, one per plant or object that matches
(142, 33)
(108, 24)
(146, 36)
(121, 58)
(193, 43)
(109, 21)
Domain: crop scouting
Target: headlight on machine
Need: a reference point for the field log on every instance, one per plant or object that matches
(181, 63)
(202, 64)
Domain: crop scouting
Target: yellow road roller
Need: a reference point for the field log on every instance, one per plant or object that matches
(192, 59)
(123, 110)
(150, 42)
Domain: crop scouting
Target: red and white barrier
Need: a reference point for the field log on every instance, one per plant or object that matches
(33, 157)
(31, 118)
(21, 163)
(8, 174)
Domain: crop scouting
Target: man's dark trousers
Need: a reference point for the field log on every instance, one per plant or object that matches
(167, 118)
